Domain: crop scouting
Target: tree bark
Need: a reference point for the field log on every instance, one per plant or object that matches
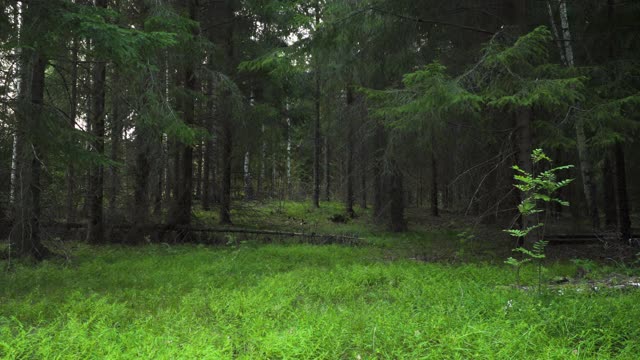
(73, 114)
(609, 187)
(349, 200)
(13, 187)
(158, 170)
(622, 197)
(95, 230)
(142, 143)
(25, 237)
(327, 169)
(248, 181)
(222, 15)
(363, 179)
(227, 147)
(379, 202)
(289, 130)
(434, 179)
(199, 165)
(586, 171)
(263, 164)
(397, 222)
(184, 193)
(556, 34)
(140, 209)
(316, 125)
(183, 214)
(624, 220)
(16, 145)
(116, 138)
(208, 148)
(37, 93)
(316, 143)
(176, 175)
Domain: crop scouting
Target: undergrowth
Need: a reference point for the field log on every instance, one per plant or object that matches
(300, 302)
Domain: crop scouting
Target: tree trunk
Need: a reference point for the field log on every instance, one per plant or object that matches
(622, 197)
(140, 209)
(556, 34)
(183, 197)
(185, 193)
(142, 144)
(350, 146)
(208, 147)
(609, 186)
(37, 93)
(397, 222)
(363, 180)
(379, 202)
(116, 138)
(289, 130)
(88, 129)
(248, 186)
(434, 180)
(73, 114)
(221, 15)
(588, 183)
(16, 145)
(275, 190)
(586, 171)
(327, 170)
(169, 142)
(25, 235)
(176, 175)
(199, 165)
(263, 164)
(227, 147)
(316, 126)
(316, 143)
(624, 220)
(206, 175)
(95, 229)
(158, 169)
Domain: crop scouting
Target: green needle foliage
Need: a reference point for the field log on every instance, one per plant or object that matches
(429, 94)
(521, 75)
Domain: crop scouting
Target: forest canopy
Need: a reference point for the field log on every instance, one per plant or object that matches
(129, 117)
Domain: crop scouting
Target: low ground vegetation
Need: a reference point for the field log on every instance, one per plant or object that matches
(384, 299)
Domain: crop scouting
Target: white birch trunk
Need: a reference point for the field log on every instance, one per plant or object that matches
(589, 187)
(566, 33)
(14, 149)
(248, 190)
(14, 170)
(556, 35)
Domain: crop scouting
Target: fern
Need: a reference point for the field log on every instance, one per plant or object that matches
(536, 188)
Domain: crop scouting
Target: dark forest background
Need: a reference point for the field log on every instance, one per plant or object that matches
(139, 114)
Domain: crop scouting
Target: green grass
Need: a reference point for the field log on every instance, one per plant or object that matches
(427, 293)
(300, 302)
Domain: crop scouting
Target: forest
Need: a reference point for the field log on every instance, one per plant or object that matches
(319, 179)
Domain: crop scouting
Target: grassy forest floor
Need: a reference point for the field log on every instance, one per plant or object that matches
(429, 293)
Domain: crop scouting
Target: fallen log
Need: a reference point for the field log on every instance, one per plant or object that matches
(580, 239)
(170, 227)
